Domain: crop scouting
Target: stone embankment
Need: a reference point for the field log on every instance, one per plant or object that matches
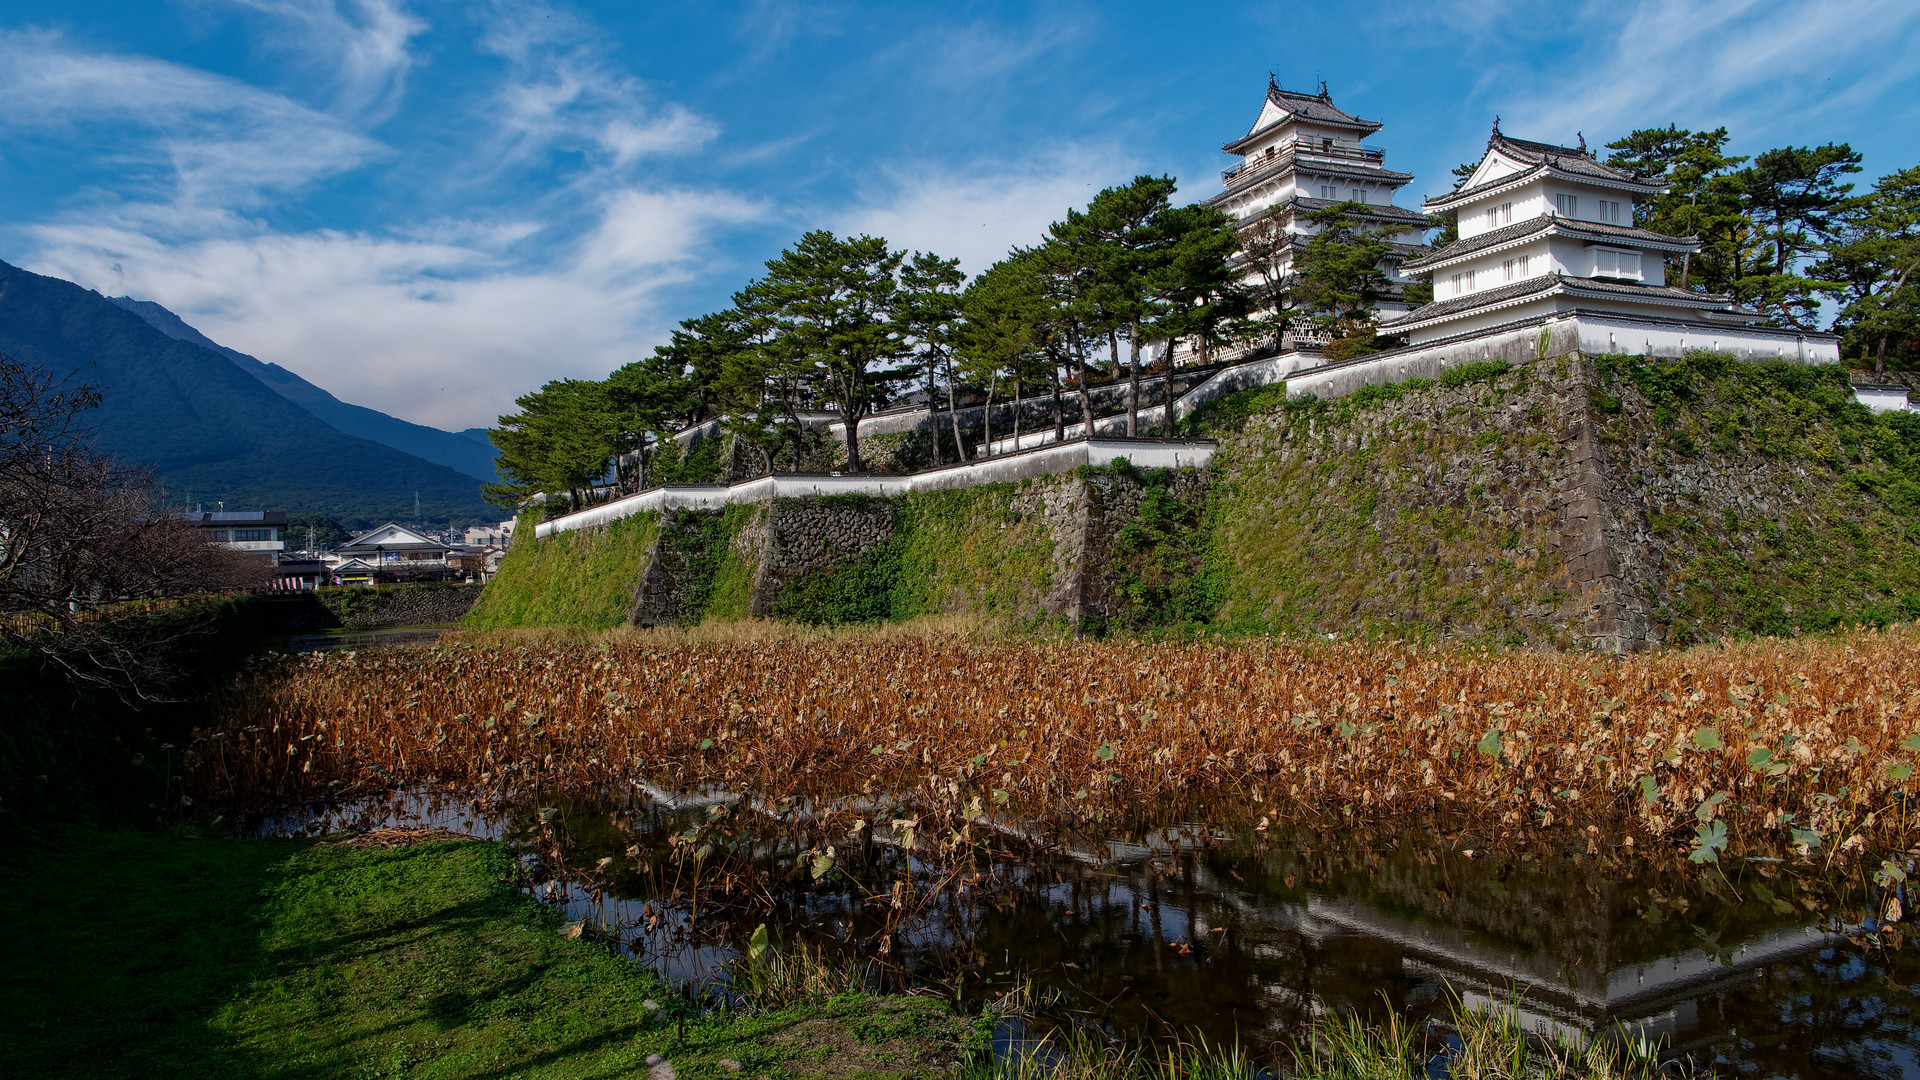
(360, 608)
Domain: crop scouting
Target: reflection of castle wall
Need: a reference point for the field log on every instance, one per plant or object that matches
(1561, 970)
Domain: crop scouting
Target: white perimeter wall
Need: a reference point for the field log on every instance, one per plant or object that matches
(1055, 458)
(1585, 332)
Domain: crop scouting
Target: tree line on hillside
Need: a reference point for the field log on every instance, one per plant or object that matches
(1784, 233)
(1122, 288)
(82, 534)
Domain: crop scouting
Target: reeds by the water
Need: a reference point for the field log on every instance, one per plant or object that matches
(1805, 744)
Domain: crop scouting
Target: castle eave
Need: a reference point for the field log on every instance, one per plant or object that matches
(1550, 285)
(1589, 232)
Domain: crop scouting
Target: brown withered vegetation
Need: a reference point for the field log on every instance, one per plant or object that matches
(1805, 745)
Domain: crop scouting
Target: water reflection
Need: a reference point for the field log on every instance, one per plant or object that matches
(1756, 970)
(329, 640)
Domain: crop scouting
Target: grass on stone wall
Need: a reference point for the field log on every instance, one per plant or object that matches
(971, 551)
(1163, 562)
(585, 578)
(1301, 545)
(1828, 535)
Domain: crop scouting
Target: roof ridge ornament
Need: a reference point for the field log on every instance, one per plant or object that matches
(1324, 96)
(1496, 136)
(1583, 142)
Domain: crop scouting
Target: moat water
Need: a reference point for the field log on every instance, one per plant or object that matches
(1751, 969)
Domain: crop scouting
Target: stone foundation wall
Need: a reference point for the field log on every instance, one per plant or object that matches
(399, 605)
(809, 535)
(1470, 511)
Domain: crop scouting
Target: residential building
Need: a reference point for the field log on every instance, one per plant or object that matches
(392, 553)
(254, 531)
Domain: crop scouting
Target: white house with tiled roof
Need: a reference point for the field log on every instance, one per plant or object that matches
(1548, 230)
(1302, 154)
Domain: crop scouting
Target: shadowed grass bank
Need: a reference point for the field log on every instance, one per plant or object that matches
(212, 958)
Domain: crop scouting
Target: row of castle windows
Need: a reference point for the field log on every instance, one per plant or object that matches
(1607, 262)
(1569, 207)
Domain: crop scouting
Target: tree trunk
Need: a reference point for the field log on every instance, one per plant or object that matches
(853, 444)
(1133, 378)
(1166, 426)
(1059, 408)
(986, 424)
(1880, 361)
(1018, 385)
(933, 417)
(1086, 397)
(953, 415)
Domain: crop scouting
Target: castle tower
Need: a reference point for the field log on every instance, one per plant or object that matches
(1303, 153)
(1546, 229)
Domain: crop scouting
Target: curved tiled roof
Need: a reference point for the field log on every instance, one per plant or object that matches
(1547, 285)
(1546, 157)
(1593, 231)
(1318, 108)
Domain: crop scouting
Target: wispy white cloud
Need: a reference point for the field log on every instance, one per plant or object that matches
(442, 328)
(982, 53)
(561, 91)
(1765, 70)
(442, 321)
(359, 48)
(220, 142)
(978, 215)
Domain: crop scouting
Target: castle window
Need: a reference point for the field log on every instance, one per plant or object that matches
(1616, 264)
(1567, 205)
(1506, 213)
(1525, 262)
(1610, 211)
(1506, 268)
(1454, 283)
(1358, 195)
(1329, 192)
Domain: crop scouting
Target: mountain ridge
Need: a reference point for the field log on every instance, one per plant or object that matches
(454, 449)
(210, 430)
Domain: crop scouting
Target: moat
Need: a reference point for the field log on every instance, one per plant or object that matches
(1758, 970)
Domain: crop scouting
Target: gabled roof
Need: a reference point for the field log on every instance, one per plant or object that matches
(1288, 106)
(1538, 159)
(1593, 232)
(391, 537)
(1548, 285)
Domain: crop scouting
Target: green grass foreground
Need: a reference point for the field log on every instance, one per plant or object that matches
(141, 955)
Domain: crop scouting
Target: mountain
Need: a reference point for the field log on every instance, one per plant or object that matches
(455, 450)
(211, 431)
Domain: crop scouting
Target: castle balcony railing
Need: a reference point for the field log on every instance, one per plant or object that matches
(1297, 147)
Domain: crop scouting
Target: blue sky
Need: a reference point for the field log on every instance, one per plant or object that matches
(431, 207)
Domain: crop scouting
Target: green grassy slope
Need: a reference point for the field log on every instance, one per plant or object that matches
(1770, 500)
(228, 958)
(585, 579)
